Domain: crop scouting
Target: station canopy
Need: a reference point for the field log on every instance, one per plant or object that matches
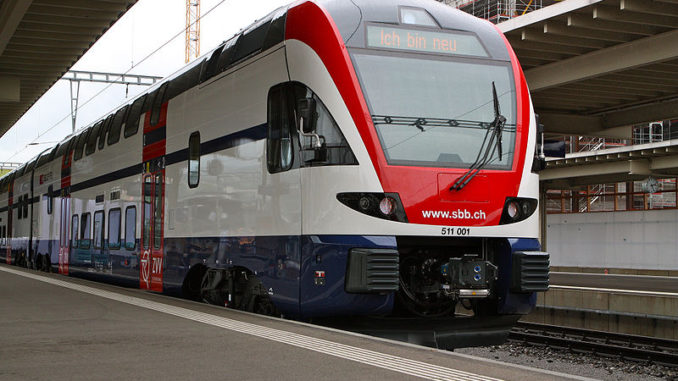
(596, 67)
(40, 40)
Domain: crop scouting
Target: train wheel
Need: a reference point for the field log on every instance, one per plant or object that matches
(46, 264)
(191, 288)
(37, 263)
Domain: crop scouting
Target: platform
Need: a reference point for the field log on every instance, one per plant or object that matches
(54, 327)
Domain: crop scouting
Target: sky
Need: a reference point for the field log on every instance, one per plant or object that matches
(144, 28)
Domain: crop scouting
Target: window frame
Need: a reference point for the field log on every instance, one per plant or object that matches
(98, 244)
(74, 241)
(88, 217)
(135, 112)
(115, 246)
(134, 232)
(193, 155)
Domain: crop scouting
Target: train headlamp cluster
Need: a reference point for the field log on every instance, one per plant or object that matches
(381, 205)
(517, 209)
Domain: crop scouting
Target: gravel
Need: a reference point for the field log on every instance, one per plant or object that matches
(580, 364)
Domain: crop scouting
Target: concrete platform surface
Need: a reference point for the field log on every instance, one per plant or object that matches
(55, 327)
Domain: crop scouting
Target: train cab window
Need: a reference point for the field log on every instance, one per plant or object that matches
(130, 227)
(334, 149)
(116, 126)
(74, 231)
(194, 160)
(85, 232)
(279, 146)
(114, 229)
(158, 101)
(132, 123)
(104, 130)
(98, 229)
(92, 138)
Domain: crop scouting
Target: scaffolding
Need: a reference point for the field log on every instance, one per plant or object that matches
(496, 11)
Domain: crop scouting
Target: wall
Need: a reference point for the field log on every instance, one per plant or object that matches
(634, 240)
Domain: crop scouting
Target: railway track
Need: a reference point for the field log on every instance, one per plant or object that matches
(614, 345)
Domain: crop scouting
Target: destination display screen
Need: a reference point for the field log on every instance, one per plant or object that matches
(416, 40)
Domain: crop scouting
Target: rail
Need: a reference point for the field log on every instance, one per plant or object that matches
(616, 345)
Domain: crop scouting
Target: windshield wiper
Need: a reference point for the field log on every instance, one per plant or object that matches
(486, 152)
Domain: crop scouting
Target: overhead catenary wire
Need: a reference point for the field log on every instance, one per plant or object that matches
(134, 65)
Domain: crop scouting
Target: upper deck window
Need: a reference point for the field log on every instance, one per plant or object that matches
(439, 111)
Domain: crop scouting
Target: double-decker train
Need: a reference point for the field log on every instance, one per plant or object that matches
(365, 158)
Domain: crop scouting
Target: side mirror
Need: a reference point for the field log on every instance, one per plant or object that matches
(306, 107)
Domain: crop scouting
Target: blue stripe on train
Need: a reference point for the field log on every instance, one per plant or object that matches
(285, 265)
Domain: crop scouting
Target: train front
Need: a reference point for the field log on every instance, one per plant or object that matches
(449, 226)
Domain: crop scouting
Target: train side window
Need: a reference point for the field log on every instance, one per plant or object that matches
(194, 160)
(157, 103)
(74, 231)
(50, 199)
(98, 229)
(104, 130)
(114, 228)
(80, 145)
(130, 227)
(132, 123)
(279, 147)
(92, 138)
(26, 202)
(209, 66)
(116, 125)
(85, 232)
(19, 207)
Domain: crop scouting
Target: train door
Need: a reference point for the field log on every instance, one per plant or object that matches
(10, 213)
(152, 213)
(65, 227)
(64, 234)
(153, 193)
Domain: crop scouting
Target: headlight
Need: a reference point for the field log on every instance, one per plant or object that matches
(517, 209)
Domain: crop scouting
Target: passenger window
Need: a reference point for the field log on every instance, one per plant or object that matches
(116, 126)
(279, 148)
(74, 231)
(104, 129)
(132, 124)
(85, 233)
(114, 229)
(50, 199)
(98, 229)
(26, 202)
(130, 227)
(92, 138)
(194, 160)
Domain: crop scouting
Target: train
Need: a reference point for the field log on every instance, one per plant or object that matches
(363, 161)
